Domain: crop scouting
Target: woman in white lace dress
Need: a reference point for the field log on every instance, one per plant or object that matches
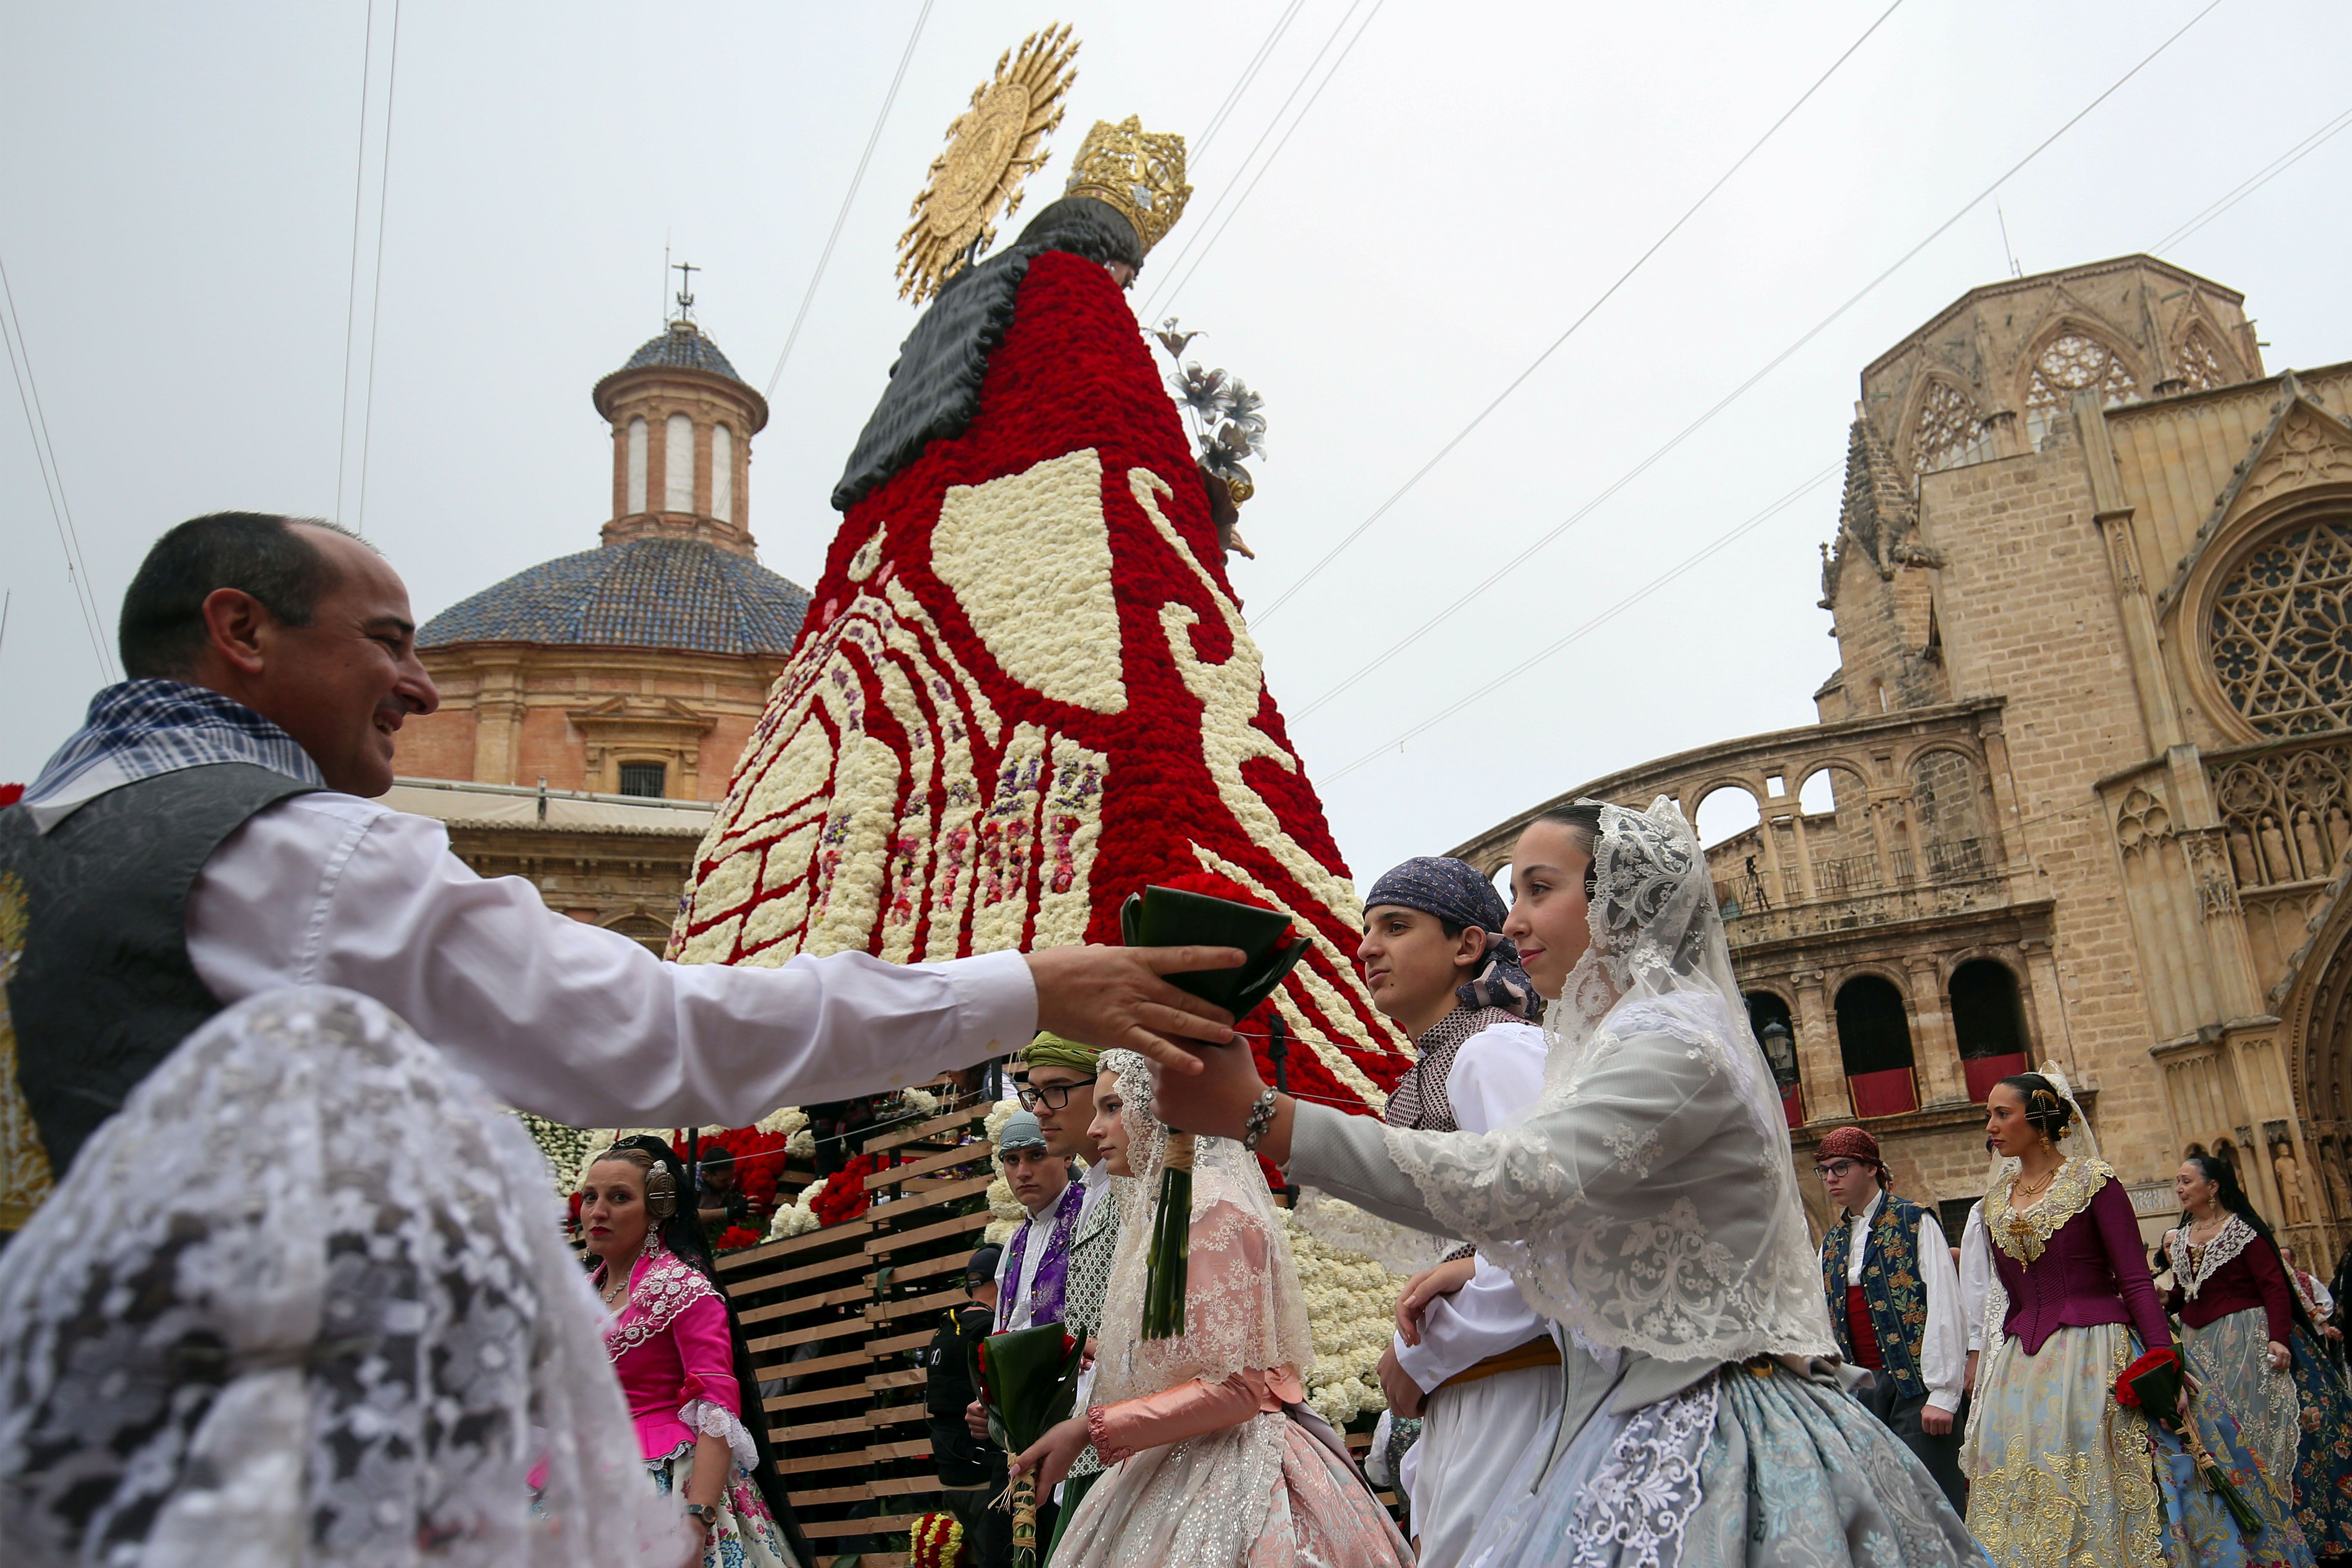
(1214, 1459)
(304, 1302)
(1648, 1204)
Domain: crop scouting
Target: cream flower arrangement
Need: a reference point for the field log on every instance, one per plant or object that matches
(1005, 1212)
(1352, 1309)
(794, 1218)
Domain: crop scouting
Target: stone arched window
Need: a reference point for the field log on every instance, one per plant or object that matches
(2200, 361)
(2281, 630)
(722, 473)
(2073, 361)
(1875, 1041)
(678, 465)
(636, 467)
(1948, 431)
(1989, 1018)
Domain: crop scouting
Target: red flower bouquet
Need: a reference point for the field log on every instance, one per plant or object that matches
(843, 1195)
(2153, 1384)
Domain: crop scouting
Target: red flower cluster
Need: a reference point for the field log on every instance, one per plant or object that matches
(843, 1195)
(2128, 1396)
(758, 1160)
(936, 1540)
(733, 1238)
(996, 806)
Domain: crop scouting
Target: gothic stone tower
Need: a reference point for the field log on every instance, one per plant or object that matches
(2082, 786)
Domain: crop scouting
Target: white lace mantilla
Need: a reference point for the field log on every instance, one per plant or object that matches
(1650, 1203)
(1637, 1504)
(666, 1285)
(304, 1302)
(2203, 1262)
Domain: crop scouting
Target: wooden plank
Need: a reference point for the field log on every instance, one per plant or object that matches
(885, 1311)
(895, 1379)
(808, 1431)
(794, 1369)
(794, 1276)
(832, 1528)
(874, 1454)
(900, 1486)
(953, 1263)
(839, 1328)
(962, 1154)
(833, 1494)
(892, 1241)
(838, 1394)
(860, 1292)
(896, 1414)
(887, 1215)
(792, 1245)
(901, 1343)
(951, 1120)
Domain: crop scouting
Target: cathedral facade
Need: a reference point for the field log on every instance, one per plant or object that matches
(2078, 791)
(592, 707)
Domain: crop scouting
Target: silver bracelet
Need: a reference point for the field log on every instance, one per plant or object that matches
(1261, 1117)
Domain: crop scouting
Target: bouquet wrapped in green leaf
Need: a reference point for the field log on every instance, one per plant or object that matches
(2153, 1384)
(1027, 1379)
(1178, 916)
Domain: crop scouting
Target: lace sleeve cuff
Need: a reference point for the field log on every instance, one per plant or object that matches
(1108, 1452)
(706, 1419)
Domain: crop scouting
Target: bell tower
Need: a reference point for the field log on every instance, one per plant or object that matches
(682, 426)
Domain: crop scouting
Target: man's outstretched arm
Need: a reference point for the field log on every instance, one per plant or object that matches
(585, 1026)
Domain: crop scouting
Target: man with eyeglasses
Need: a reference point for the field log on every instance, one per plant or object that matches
(1895, 1304)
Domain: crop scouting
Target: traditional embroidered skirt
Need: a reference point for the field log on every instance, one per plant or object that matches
(746, 1536)
(1262, 1494)
(1756, 1465)
(2060, 1473)
(2323, 1468)
(2231, 1355)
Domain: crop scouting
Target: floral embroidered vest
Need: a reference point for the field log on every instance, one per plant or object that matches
(1891, 1285)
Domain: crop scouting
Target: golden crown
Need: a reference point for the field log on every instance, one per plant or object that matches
(1140, 172)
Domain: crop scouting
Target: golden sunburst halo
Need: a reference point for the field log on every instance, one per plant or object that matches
(992, 148)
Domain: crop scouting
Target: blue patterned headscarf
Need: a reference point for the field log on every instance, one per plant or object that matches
(1453, 890)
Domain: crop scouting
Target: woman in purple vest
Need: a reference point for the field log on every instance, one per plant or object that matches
(2245, 1336)
(2058, 1470)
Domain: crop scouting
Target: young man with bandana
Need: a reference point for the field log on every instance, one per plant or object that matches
(1477, 1366)
(1895, 1303)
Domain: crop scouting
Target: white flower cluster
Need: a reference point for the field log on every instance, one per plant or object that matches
(1352, 1308)
(799, 1137)
(921, 1101)
(794, 1218)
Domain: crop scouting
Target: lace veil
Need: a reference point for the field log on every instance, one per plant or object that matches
(1243, 1307)
(1651, 1201)
(304, 1302)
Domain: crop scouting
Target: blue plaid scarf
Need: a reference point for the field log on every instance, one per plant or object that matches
(142, 728)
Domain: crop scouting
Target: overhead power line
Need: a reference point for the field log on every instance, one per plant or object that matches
(2256, 181)
(1249, 74)
(1162, 293)
(1510, 566)
(1537, 363)
(375, 305)
(53, 478)
(1720, 543)
(351, 291)
(849, 197)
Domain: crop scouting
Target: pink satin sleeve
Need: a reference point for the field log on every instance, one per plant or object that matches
(1188, 1410)
(706, 1356)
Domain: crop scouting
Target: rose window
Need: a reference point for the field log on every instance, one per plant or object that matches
(2073, 363)
(2282, 632)
(2201, 364)
(1948, 431)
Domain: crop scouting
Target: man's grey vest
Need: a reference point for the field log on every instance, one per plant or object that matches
(103, 988)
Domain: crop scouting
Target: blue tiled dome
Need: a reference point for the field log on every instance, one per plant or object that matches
(645, 592)
(683, 347)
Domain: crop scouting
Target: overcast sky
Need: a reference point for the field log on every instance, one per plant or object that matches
(176, 216)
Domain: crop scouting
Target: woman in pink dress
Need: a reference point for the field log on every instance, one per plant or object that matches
(1215, 1461)
(680, 1358)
